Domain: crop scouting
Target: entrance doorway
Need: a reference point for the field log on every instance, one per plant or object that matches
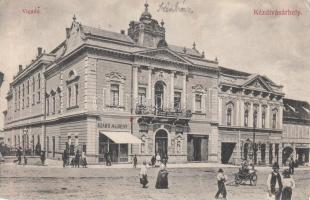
(117, 152)
(227, 151)
(286, 153)
(302, 155)
(197, 147)
(161, 143)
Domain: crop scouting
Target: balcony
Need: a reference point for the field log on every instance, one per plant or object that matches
(169, 113)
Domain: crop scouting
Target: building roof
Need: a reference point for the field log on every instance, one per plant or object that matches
(180, 50)
(296, 110)
(106, 34)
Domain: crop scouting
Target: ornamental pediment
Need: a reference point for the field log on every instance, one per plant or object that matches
(163, 54)
(257, 83)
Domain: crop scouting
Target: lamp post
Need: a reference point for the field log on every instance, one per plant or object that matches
(25, 131)
(254, 146)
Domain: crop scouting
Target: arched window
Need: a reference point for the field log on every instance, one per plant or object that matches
(255, 118)
(246, 117)
(159, 95)
(274, 119)
(229, 113)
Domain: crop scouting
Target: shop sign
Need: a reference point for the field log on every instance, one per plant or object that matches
(112, 126)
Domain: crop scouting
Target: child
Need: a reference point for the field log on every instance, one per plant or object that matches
(221, 179)
(143, 175)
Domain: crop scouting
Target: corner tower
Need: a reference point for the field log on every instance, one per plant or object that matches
(147, 32)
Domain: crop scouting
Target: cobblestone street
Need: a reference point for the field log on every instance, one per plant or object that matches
(45, 182)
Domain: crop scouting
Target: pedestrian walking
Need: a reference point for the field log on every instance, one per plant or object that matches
(153, 160)
(64, 158)
(162, 178)
(42, 157)
(157, 160)
(274, 183)
(19, 155)
(143, 175)
(288, 186)
(84, 160)
(291, 165)
(221, 179)
(77, 159)
(135, 160)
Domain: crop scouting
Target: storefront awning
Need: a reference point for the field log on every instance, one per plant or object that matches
(121, 137)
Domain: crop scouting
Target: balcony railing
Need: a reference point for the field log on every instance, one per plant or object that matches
(151, 110)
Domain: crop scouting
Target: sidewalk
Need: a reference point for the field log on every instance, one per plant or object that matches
(58, 164)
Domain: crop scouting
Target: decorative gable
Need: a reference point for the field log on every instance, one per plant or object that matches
(257, 84)
(163, 54)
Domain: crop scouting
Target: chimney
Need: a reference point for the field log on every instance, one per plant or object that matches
(123, 32)
(20, 68)
(39, 51)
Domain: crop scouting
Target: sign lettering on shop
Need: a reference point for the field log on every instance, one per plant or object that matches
(113, 126)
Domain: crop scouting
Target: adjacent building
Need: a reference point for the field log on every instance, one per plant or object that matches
(296, 130)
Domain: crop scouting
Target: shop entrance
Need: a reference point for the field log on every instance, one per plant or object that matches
(197, 148)
(161, 143)
(302, 155)
(227, 151)
(117, 152)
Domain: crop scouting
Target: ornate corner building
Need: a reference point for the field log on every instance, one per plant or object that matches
(136, 94)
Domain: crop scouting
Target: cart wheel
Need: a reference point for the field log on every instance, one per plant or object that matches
(253, 179)
(237, 180)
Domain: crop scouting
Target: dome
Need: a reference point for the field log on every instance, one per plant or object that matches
(146, 14)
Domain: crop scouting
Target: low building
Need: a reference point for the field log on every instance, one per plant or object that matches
(296, 130)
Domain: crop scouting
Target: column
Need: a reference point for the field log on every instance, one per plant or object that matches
(259, 116)
(267, 120)
(149, 89)
(135, 84)
(250, 123)
(172, 89)
(236, 114)
(267, 153)
(241, 113)
(184, 92)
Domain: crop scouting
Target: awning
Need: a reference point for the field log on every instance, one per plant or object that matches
(121, 137)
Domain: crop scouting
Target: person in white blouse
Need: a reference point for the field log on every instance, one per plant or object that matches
(288, 185)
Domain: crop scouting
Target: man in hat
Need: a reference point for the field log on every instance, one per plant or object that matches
(274, 182)
(221, 179)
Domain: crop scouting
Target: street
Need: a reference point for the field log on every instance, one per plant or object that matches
(45, 182)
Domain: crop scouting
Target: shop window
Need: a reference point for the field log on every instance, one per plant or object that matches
(114, 94)
(177, 101)
(141, 96)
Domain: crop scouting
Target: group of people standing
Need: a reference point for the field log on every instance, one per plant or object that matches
(162, 177)
(20, 154)
(76, 160)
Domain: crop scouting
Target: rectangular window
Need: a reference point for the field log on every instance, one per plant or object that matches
(23, 103)
(115, 94)
(39, 81)
(54, 104)
(33, 84)
(141, 95)
(263, 119)
(33, 98)
(198, 102)
(76, 94)
(47, 105)
(23, 91)
(274, 120)
(28, 86)
(27, 103)
(69, 96)
(39, 97)
(59, 103)
(177, 101)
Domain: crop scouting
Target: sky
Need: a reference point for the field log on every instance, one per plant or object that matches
(275, 46)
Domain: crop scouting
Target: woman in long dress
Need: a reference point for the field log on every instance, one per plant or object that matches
(162, 178)
(288, 185)
(143, 175)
